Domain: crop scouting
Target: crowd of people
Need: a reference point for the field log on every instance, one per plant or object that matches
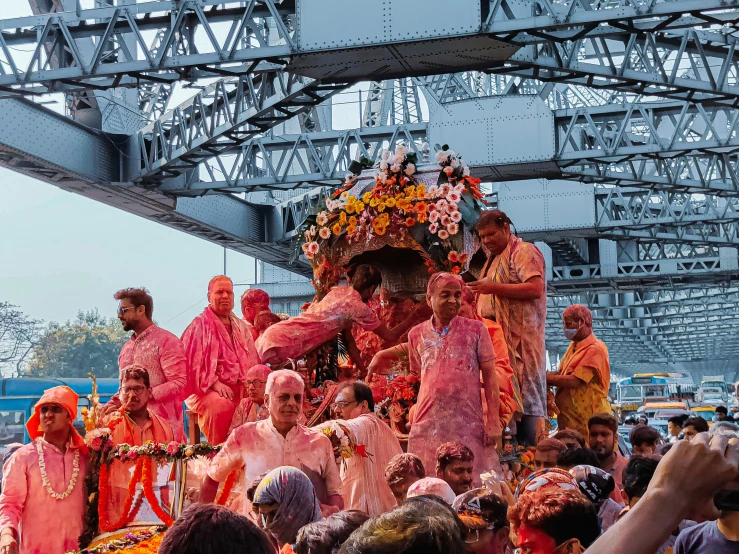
(462, 483)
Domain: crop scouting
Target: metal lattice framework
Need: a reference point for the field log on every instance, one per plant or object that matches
(644, 97)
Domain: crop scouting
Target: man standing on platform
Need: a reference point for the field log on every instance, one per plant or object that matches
(157, 350)
(253, 303)
(138, 425)
(512, 290)
(257, 448)
(584, 373)
(42, 506)
(363, 479)
(220, 350)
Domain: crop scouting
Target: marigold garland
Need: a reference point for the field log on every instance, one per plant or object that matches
(128, 515)
(228, 486)
(146, 481)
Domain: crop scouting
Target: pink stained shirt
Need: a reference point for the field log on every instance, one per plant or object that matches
(259, 448)
(163, 356)
(449, 404)
(46, 525)
(216, 355)
(363, 479)
(321, 322)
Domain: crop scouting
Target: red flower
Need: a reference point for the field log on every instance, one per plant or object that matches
(361, 450)
(455, 270)
(409, 222)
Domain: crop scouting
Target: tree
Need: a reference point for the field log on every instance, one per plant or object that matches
(89, 344)
(18, 334)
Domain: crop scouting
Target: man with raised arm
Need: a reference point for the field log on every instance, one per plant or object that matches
(42, 506)
(512, 290)
(220, 350)
(259, 447)
(159, 352)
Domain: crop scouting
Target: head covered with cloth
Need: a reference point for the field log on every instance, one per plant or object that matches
(286, 501)
(67, 399)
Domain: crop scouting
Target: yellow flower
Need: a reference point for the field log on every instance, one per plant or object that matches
(403, 205)
(189, 451)
(380, 230)
(353, 221)
(381, 207)
(342, 218)
(390, 202)
(385, 218)
(373, 203)
(366, 197)
(410, 190)
(350, 207)
(351, 230)
(421, 192)
(336, 229)
(359, 207)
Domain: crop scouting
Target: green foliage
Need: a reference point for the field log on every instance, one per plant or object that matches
(89, 344)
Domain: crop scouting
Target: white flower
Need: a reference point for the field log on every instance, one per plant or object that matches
(383, 165)
(452, 228)
(459, 189)
(383, 178)
(443, 234)
(445, 189)
(324, 233)
(401, 150)
(433, 227)
(441, 205)
(410, 169)
(313, 230)
(456, 216)
(344, 441)
(451, 153)
(385, 154)
(395, 168)
(304, 246)
(397, 159)
(466, 171)
(322, 218)
(455, 163)
(313, 247)
(309, 255)
(445, 220)
(431, 192)
(339, 432)
(434, 217)
(442, 156)
(453, 198)
(349, 177)
(448, 170)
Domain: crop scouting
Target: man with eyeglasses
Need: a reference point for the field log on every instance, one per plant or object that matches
(252, 407)
(364, 486)
(138, 425)
(157, 350)
(485, 515)
(220, 351)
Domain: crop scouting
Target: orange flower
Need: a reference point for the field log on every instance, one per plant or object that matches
(421, 206)
(455, 270)
(409, 222)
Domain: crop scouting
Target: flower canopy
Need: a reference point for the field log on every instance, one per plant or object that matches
(399, 205)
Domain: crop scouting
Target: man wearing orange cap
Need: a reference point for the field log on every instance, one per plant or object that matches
(44, 481)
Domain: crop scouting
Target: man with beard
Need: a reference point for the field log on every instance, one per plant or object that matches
(602, 429)
(455, 464)
(512, 290)
(42, 506)
(159, 352)
(220, 350)
(259, 447)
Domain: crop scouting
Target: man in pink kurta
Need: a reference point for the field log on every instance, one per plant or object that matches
(512, 291)
(159, 352)
(253, 303)
(220, 351)
(364, 486)
(451, 354)
(252, 407)
(46, 519)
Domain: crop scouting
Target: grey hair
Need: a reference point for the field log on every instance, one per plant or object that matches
(284, 373)
(724, 429)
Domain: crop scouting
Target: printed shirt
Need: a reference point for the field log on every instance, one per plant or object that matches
(163, 356)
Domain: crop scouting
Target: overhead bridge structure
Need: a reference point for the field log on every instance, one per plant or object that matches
(607, 129)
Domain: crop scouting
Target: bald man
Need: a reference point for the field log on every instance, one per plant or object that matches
(252, 408)
(259, 447)
(584, 373)
(220, 350)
